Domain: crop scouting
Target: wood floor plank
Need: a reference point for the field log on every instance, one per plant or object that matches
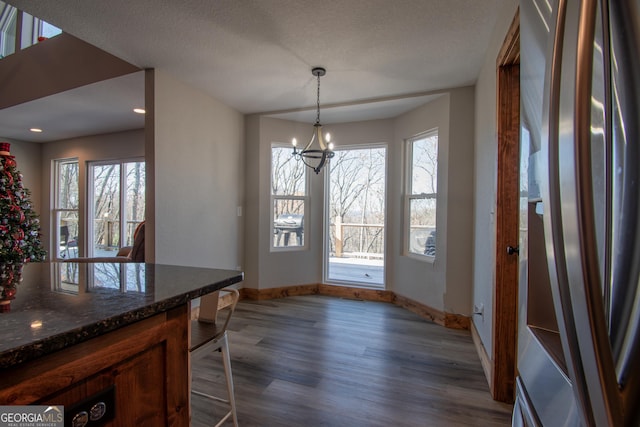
(323, 361)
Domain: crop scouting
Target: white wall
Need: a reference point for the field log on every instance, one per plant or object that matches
(485, 180)
(266, 269)
(442, 285)
(418, 279)
(198, 177)
(252, 235)
(459, 276)
(445, 283)
(196, 158)
(111, 146)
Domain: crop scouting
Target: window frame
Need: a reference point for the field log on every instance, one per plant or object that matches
(28, 29)
(273, 198)
(8, 14)
(328, 217)
(56, 210)
(90, 197)
(409, 196)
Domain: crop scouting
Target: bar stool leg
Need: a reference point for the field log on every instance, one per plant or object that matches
(226, 359)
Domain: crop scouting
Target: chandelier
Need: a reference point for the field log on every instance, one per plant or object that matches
(315, 158)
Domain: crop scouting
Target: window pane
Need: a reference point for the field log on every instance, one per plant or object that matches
(287, 174)
(67, 185)
(65, 210)
(106, 275)
(357, 198)
(48, 30)
(67, 225)
(8, 16)
(288, 223)
(135, 277)
(106, 211)
(424, 165)
(66, 277)
(422, 229)
(135, 202)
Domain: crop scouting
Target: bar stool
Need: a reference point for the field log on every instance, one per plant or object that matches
(208, 336)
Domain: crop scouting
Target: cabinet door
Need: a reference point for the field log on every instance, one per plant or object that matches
(146, 365)
(131, 392)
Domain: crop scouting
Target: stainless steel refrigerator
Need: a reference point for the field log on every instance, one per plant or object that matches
(579, 311)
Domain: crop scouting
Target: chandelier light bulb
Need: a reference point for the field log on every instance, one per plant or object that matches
(294, 142)
(331, 146)
(328, 137)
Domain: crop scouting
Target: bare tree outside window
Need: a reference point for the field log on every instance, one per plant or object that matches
(65, 208)
(106, 206)
(357, 194)
(421, 194)
(135, 173)
(118, 204)
(288, 195)
(68, 185)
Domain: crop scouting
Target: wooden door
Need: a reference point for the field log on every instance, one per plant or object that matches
(505, 305)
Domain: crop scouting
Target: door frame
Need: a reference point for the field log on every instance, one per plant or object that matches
(327, 220)
(505, 304)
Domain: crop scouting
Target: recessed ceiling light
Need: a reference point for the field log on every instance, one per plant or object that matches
(35, 130)
(139, 110)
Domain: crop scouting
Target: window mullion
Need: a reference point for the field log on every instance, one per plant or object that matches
(123, 205)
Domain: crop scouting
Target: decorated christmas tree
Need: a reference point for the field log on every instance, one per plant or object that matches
(19, 225)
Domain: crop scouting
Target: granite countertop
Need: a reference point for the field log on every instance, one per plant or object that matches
(60, 304)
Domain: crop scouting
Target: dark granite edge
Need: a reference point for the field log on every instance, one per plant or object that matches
(43, 347)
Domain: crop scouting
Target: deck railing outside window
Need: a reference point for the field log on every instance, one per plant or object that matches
(355, 240)
(107, 233)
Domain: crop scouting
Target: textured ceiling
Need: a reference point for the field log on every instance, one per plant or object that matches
(256, 55)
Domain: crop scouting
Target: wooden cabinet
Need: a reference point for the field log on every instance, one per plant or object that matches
(146, 365)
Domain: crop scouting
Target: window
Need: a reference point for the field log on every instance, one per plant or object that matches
(47, 30)
(288, 199)
(8, 16)
(32, 29)
(116, 203)
(65, 208)
(420, 194)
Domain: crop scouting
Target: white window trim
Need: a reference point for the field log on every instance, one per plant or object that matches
(6, 17)
(408, 197)
(90, 198)
(56, 210)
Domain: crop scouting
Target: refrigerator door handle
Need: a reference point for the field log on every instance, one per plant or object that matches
(554, 121)
(588, 284)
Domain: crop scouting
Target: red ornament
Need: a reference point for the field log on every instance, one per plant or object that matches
(10, 293)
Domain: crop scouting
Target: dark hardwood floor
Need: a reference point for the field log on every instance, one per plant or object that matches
(324, 361)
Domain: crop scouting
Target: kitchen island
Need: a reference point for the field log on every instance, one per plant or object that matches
(79, 334)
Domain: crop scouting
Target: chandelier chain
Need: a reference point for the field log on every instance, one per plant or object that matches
(318, 101)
